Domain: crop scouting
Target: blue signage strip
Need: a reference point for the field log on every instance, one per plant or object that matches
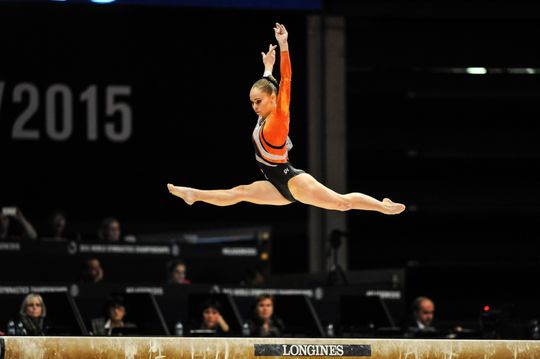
(238, 4)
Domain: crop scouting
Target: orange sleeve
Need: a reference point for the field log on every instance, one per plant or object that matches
(276, 128)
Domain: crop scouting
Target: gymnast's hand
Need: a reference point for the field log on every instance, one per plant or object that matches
(281, 36)
(269, 59)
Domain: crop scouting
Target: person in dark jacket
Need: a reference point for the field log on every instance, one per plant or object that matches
(32, 315)
(264, 322)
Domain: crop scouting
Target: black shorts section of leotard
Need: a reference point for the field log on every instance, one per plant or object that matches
(279, 176)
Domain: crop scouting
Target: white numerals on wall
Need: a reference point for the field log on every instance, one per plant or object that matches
(61, 112)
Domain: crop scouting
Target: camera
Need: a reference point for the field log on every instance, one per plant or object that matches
(9, 211)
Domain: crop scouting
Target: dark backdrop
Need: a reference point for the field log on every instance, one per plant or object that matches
(460, 149)
(183, 78)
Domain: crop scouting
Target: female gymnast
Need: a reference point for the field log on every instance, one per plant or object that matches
(284, 184)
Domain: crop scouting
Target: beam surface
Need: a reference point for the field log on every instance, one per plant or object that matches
(248, 348)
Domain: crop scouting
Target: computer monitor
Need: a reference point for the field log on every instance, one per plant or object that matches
(298, 315)
(144, 311)
(64, 315)
(363, 314)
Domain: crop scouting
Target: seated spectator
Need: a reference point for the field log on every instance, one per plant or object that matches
(56, 227)
(212, 319)
(420, 320)
(253, 277)
(92, 271)
(421, 323)
(263, 322)
(423, 313)
(110, 230)
(32, 315)
(14, 226)
(114, 321)
(176, 272)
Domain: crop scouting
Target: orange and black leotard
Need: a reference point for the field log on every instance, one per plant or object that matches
(271, 135)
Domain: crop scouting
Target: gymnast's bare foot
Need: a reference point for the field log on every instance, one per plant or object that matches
(186, 193)
(390, 207)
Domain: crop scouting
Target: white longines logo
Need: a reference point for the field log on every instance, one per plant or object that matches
(313, 350)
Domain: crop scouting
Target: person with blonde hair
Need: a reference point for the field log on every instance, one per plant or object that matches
(32, 314)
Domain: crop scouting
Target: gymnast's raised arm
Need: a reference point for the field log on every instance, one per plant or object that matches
(284, 95)
(276, 129)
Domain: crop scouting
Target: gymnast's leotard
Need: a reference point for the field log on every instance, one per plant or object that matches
(271, 136)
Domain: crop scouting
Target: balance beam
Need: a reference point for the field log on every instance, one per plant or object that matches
(260, 348)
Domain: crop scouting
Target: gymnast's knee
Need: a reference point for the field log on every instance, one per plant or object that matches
(239, 191)
(344, 205)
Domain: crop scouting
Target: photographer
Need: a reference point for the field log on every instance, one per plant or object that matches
(14, 226)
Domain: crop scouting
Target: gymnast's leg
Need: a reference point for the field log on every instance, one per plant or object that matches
(259, 192)
(308, 190)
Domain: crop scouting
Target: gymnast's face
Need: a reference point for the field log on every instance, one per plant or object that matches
(262, 102)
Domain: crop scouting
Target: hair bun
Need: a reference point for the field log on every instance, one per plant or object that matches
(271, 80)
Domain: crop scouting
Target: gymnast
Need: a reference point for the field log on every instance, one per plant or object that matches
(284, 184)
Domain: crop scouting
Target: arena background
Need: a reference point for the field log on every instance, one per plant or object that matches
(158, 94)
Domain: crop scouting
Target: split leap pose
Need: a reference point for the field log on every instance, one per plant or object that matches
(284, 184)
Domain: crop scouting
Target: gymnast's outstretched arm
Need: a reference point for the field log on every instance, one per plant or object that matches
(276, 128)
